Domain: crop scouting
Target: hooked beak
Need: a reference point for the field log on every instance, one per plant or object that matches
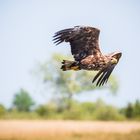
(114, 61)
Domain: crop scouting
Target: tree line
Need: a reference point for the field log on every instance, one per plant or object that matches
(24, 107)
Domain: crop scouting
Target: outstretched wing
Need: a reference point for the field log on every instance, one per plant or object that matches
(83, 40)
(103, 75)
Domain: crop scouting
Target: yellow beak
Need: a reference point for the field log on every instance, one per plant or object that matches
(114, 61)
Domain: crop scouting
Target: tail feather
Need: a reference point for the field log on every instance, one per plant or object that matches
(69, 65)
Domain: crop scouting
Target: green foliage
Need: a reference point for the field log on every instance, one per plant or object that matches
(2, 111)
(108, 113)
(132, 110)
(46, 110)
(15, 114)
(74, 113)
(98, 110)
(81, 111)
(137, 109)
(22, 101)
(41, 110)
(129, 110)
(92, 111)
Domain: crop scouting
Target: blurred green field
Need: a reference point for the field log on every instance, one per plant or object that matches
(68, 130)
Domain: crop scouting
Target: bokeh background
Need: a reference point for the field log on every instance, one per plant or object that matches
(26, 46)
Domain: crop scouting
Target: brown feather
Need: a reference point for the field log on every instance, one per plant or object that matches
(83, 40)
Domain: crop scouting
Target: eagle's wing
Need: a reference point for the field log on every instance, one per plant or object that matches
(83, 40)
(103, 75)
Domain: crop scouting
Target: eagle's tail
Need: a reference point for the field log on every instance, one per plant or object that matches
(69, 65)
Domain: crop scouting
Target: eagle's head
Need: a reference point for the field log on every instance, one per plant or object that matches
(115, 56)
(104, 73)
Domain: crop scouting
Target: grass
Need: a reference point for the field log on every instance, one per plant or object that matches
(68, 130)
(80, 136)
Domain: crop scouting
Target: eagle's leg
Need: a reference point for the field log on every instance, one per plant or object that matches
(70, 65)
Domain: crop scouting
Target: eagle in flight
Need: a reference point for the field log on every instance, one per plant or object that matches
(84, 42)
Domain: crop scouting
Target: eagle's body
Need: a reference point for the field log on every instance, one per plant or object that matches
(94, 63)
(86, 52)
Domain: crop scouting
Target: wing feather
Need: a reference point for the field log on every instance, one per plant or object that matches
(83, 40)
(103, 75)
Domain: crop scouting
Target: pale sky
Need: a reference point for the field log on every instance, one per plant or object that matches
(26, 30)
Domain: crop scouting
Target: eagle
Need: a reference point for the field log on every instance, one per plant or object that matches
(84, 42)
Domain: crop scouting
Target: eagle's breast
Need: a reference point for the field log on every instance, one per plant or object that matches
(93, 62)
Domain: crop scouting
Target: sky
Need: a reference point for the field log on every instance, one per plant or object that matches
(26, 30)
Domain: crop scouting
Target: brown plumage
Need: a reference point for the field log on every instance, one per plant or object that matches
(86, 52)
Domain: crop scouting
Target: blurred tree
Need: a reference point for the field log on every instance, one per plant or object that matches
(129, 111)
(2, 110)
(46, 110)
(41, 110)
(137, 108)
(66, 84)
(106, 112)
(22, 101)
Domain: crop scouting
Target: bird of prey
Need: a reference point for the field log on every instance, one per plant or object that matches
(84, 42)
